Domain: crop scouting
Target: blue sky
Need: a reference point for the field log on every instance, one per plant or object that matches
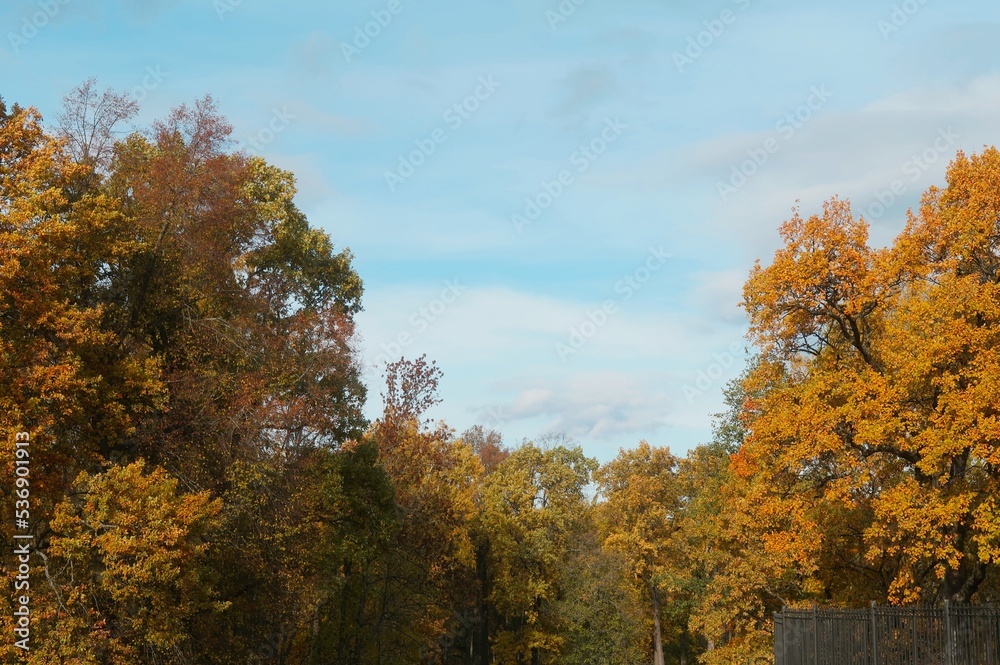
(556, 201)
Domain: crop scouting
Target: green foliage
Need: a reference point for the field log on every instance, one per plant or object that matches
(533, 510)
(604, 616)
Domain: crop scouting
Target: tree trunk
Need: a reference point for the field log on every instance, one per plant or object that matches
(960, 584)
(657, 632)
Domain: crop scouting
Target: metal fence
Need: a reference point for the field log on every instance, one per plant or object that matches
(948, 635)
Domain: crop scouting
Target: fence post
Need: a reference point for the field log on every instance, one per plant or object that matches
(948, 647)
(779, 642)
(815, 636)
(913, 625)
(874, 636)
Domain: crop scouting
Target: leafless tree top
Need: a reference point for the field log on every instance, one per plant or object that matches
(89, 119)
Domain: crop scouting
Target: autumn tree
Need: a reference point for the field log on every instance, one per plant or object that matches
(488, 446)
(640, 512)
(875, 420)
(401, 602)
(166, 303)
(126, 568)
(533, 508)
(90, 122)
(605, 618)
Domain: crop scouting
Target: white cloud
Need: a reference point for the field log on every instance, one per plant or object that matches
(497, 348)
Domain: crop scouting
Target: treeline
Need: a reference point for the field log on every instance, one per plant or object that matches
(178, 342)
